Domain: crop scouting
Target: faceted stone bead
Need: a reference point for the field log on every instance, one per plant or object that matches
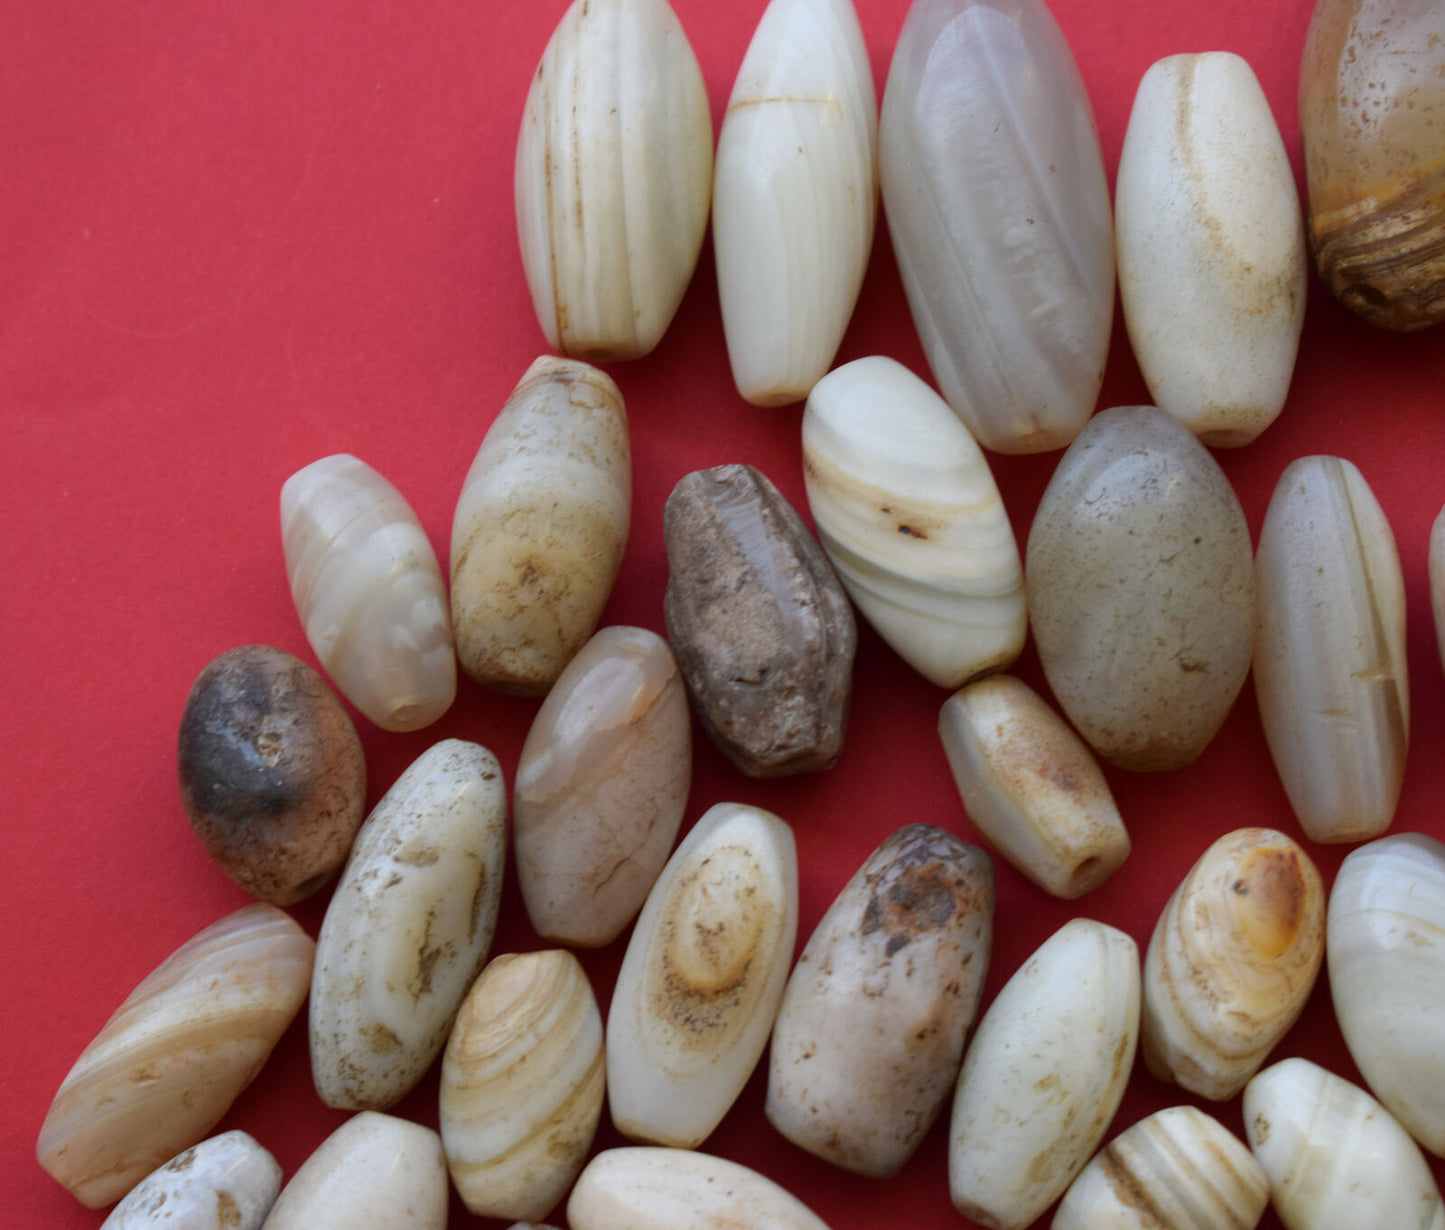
(760, 625)
(1141, 589)
(1372, 115)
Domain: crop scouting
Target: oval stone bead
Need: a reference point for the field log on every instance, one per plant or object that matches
(540, 526)
(761, 627)
(1329, 656)
(601, 787)
(643, 1188)
(522, 1084)
(1044, 1075)
(228, 1182)
(168, 1064)
(1141, 589)
(1335, 1158)
(1386, 949)
(703, 976)
(1232, 960)
(369, 592)
(870, 1034)
(272, 773)
(1031, 787)
(1436, 565)
(1212, 262)
(795, 195)
(994, 188)
(1372, 118)
(613, 177)
(909, 514)
(374, 1170)
(408, 927)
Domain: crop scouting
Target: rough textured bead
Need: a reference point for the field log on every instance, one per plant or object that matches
(994, 187)
(1031, 787)
(613, 177)
(540, 526)
(1179, 1169)
(522, 1085)
(1044, 1075)
(1372, 116)
(662, 1189)
(1232, 961)
(761, 627)
(408, 927)
(369, 592)
(870, 1034)
(374, 1170)
(601, 787)
(703, 975)
(1141, 589)
(1329, 656)
(228, 1182)
(908, 512)
(1386, 947)
(272, 773)
(795, 195)
(1212, 262)
(1335, 1158)
(176, 1054)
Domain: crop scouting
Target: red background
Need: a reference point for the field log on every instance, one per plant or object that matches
(241, 237)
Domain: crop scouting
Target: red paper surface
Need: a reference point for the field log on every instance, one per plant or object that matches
(240, 237)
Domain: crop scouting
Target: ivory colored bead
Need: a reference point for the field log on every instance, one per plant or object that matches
(228, 1182)
(1030, 786)
(795, 195)
(540, 526)
(613, 177)
(1330, 671)
(1212, 262)
(408, 927)
(374, 1172)
(369, 592)
(703, 976)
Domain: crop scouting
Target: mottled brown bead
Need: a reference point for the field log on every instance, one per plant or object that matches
(759, 624)
(272, 773)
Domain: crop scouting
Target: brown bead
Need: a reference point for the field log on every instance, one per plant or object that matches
(272, 773)
(1372, 116)
(759, 624)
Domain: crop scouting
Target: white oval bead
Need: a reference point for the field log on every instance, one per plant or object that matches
(994, 187)
(1436, 564)
(1386, 948)
(642, 1188)
(1178, 1169)
(1232, 960)
(1031, 787)
(374, 1170)
(522, 1084)
(408, 927)
(909, 514)
(540, 526)
(369, 592)
(173, 1057)
(1212, 262)
(1329, 651)
(1336, 1159)
(703, 975)
(795, 195)
(1044, 1075)
(613, 177)
(228, 1182)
